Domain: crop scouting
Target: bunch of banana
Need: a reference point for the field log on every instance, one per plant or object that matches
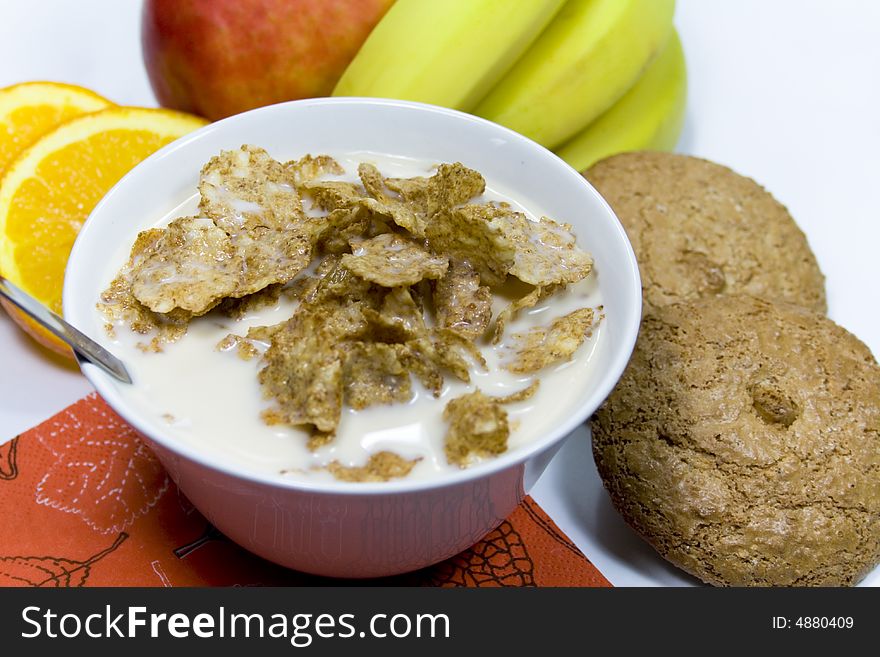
(444, 52)
(648, 117)
(585, 77)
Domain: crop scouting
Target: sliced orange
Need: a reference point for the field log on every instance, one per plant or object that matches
(27, 111)
(30, 109)
(49, 190)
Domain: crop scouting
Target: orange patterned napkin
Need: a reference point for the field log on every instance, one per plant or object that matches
(89, 505)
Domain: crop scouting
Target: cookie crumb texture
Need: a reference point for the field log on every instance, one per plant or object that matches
(700, 230)
(743, 443)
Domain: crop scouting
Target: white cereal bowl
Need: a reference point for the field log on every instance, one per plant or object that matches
(346, 529)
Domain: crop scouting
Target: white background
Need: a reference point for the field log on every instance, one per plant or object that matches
(785, 91)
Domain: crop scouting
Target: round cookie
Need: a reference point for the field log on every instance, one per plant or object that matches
(743, 443)
(699, 229)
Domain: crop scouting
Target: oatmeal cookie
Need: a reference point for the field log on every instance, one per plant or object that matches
(699, 229)
(743, 443)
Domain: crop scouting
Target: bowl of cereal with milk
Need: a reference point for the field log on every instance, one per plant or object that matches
(357, 329)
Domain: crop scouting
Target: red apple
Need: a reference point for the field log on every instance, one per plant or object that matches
(221, 57)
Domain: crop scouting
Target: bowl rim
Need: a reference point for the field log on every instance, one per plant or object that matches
(105, 385)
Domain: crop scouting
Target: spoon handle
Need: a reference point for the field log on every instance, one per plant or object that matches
(81, 344)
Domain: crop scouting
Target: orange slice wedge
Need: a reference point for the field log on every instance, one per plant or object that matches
(50, 188)
(30, 109)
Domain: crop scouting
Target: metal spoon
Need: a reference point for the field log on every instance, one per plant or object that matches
(82, 345)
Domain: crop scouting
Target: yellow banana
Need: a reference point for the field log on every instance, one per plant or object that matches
(648, 117)
(445, 52)
(586, 59)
